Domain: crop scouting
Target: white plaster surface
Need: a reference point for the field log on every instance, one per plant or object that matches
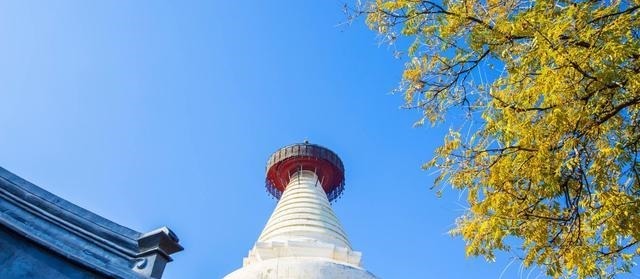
(300, 268)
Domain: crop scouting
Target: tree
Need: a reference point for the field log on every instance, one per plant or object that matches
(551, 165)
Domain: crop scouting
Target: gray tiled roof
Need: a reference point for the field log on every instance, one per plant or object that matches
(81, 236)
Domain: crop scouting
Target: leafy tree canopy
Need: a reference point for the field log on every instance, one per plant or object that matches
(552, 158)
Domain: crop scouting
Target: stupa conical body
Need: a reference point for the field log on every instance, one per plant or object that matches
(303, 237)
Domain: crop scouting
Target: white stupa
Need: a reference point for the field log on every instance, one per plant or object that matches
(303, 237)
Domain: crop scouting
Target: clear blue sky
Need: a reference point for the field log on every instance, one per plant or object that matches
(156, 113)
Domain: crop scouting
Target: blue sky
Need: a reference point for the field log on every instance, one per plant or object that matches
(164, 113)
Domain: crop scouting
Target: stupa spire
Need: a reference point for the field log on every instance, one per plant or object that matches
(304, 214)
(303, 237)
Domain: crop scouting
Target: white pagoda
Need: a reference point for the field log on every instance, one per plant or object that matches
(303, 237)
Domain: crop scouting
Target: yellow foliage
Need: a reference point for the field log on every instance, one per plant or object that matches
(554, 160)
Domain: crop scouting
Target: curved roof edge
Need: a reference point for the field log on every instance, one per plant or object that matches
(82, 236)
